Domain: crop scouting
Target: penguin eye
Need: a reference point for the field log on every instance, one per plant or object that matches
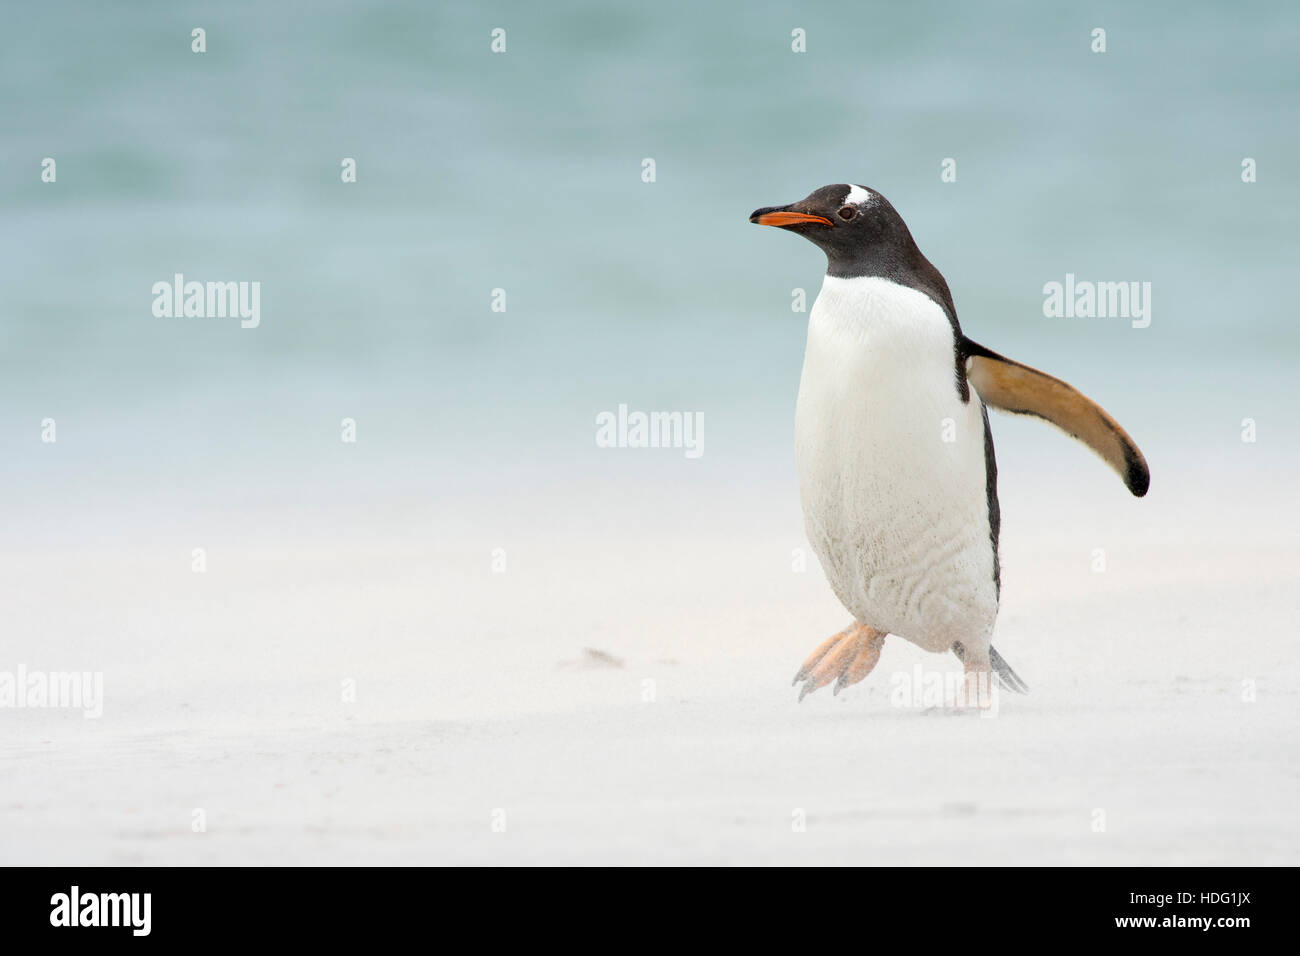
(847, 212)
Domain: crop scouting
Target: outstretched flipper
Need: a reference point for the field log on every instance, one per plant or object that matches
(1021, 390)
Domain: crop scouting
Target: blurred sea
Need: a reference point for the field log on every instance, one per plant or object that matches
(522, 171)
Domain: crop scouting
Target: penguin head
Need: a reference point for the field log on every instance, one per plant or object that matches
(856, 227)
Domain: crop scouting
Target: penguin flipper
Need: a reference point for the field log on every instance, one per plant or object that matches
(1021, 390)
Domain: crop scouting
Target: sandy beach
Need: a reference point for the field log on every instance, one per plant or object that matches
(483, 731)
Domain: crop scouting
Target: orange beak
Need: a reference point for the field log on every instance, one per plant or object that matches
(782, 218)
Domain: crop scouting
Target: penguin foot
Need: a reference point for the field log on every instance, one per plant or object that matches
(846, 658)
(977, 691)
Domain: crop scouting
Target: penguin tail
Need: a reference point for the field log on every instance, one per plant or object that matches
(1007, 678)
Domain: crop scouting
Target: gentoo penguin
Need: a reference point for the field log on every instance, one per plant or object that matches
(893, 449)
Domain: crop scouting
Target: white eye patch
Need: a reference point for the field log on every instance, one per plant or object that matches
(857, 196)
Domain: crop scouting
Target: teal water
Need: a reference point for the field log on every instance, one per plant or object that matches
(522, 171)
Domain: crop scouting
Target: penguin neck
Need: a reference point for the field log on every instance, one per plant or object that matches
(899, 261)
(874, 260)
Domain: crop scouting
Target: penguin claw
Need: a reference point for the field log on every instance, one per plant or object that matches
(844, 658)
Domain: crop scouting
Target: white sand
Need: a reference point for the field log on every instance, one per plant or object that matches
(223, 690)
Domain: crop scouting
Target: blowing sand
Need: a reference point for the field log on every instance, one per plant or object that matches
(1160, 728)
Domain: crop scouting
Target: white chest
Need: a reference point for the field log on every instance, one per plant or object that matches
(891, 463)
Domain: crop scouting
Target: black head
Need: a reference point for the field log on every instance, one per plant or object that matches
(858, 229)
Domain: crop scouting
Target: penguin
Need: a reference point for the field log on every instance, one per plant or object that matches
(894, 454)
